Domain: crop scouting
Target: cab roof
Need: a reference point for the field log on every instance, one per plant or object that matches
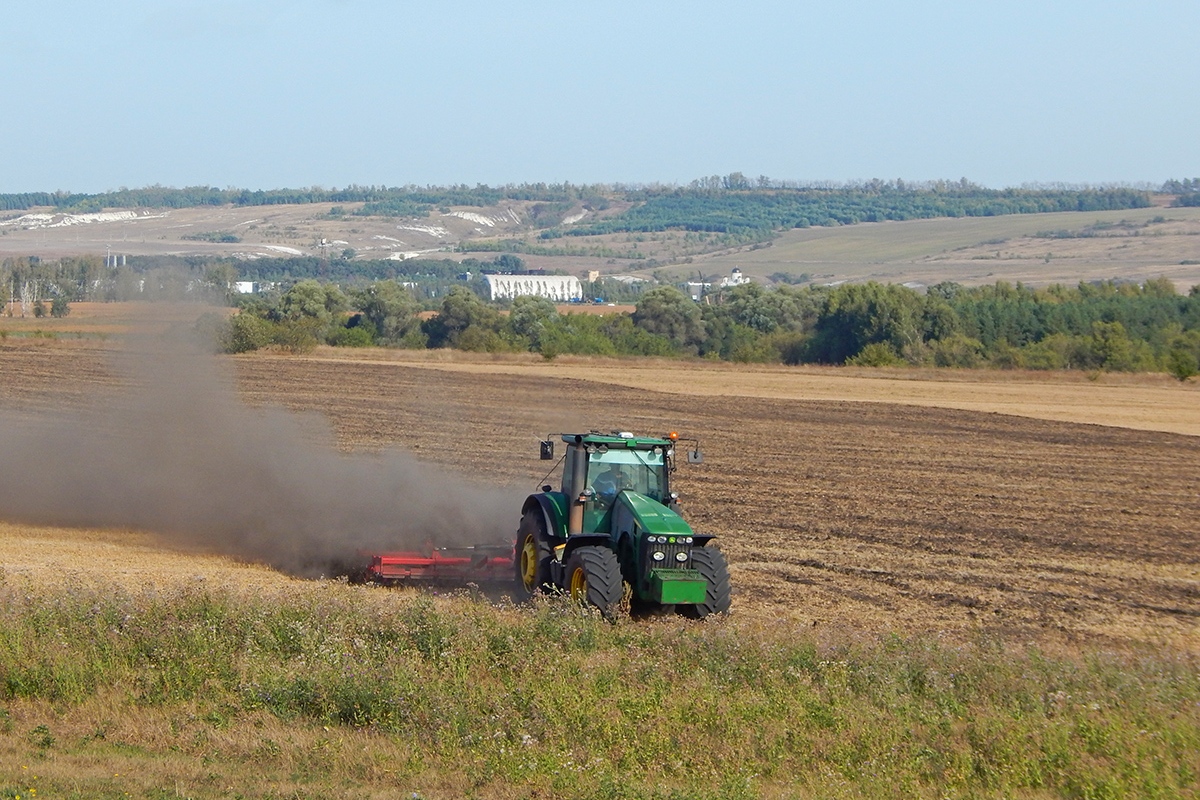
(617, 440)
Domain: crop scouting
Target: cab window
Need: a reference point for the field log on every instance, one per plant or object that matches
(612, 472)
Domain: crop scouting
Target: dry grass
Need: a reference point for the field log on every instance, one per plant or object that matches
(133, 559)
(325, 689)
(100, 320)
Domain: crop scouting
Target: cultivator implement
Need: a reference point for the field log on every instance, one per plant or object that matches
(478, 563)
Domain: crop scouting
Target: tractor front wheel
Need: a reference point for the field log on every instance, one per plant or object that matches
(594, 578)
(712, 566)
(532, 557)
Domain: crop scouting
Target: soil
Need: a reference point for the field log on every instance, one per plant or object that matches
(865, 519)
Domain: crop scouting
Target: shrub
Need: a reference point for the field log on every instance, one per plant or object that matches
(357, 336)
(1182, 364)
(297, 335)
(957, 350)
(245, 332)
(876, 354)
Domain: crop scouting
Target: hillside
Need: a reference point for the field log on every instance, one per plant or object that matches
(883, 232)
(1037, 249)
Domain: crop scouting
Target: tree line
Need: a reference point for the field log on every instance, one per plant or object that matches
(762, 211)
(729, 204)
(25, 280)
(1092, 326)
(1188, 191)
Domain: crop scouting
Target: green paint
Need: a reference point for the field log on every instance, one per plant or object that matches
(669, 586)
(653, 517)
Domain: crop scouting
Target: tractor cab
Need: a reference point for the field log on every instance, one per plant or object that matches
(615, 521)
(612, 469)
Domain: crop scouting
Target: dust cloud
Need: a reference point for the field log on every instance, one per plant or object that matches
(175, 452)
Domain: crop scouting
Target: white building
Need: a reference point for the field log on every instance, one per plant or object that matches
(253, 287)
(562, 288)
(736, 278)
(697, 289)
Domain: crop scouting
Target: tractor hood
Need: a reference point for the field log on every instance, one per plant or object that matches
(652, 516)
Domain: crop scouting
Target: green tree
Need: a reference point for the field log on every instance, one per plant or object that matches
(668, 312)
(389, 310)
(313, 300)
(463, 314)
(529, 317)
(60, 307)
(1112, 346)
(857, 315)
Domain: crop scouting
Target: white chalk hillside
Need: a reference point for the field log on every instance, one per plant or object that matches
(42, 220)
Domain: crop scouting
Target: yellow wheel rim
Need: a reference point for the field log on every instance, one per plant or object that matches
(529, 561)
(579, 585)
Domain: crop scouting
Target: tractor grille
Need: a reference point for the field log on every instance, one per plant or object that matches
(669, 551)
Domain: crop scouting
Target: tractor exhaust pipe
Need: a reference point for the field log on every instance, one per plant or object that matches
(579, 462)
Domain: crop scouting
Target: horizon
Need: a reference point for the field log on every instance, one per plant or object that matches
(782, 184)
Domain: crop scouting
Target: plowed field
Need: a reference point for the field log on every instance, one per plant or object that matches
(858, 518)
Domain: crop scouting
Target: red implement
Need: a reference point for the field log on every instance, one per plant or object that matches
(475, 563)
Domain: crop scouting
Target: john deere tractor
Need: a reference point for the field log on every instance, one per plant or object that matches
(615, 521)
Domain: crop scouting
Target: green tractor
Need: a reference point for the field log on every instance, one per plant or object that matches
(615, 521)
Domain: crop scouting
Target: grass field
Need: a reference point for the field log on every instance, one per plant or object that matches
(983, 250)
(931, 599)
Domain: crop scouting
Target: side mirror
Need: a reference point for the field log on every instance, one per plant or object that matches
(547, 449)
(695, 457)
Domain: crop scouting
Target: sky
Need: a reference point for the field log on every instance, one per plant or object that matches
(266, 94)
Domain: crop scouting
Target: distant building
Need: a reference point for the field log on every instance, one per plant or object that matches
(697, 289)
(253, 287)
(561, 288)
(736, 278)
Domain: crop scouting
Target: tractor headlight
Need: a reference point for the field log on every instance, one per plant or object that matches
(681, 556)
(687, 540)
(658, 555)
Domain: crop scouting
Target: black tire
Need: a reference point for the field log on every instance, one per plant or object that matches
(594, 577)
(531, 559)
(711, 564)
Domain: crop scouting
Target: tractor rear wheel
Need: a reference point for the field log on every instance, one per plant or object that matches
(594, 577)
(532, 561)
(712, 566)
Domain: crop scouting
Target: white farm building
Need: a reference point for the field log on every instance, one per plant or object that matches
(563, 288)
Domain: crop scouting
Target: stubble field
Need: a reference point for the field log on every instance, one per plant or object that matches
(855, 517)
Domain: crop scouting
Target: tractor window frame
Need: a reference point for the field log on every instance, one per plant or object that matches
(651, 463)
